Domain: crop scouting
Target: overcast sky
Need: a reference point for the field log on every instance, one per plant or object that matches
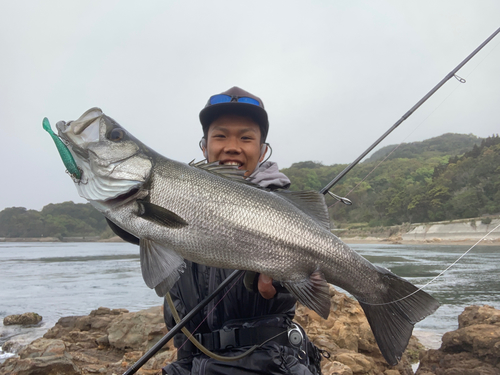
(333, 75)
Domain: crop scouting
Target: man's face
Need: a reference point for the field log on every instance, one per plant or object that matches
(235, 140)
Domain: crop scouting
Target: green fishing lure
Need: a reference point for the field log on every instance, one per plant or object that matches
(67, 158)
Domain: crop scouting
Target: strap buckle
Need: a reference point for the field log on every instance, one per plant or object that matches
(229, 338)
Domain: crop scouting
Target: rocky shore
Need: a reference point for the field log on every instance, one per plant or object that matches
(472, 349)
(109, 341)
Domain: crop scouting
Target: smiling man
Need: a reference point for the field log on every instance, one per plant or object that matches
(235, 126)
(235, 140)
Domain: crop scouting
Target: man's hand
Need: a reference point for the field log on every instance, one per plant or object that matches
(265, 286)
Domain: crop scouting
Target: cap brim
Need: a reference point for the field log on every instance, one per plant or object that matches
(258, 114)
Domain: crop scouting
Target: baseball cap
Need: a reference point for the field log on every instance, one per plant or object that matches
(238, 102)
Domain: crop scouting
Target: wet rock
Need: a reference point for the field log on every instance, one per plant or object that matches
(12, 346)
(25, 319)
(474, 348)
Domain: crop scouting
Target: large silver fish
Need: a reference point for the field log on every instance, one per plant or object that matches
(209, 214)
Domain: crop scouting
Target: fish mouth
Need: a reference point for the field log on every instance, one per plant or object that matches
(83, 131)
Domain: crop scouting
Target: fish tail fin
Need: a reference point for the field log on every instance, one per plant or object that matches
(393, 317)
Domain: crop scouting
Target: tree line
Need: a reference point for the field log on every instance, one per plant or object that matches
(66, 219)
(426, 181)
(453, 176)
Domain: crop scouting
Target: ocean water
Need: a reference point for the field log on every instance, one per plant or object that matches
(474, 280)
(62, 279)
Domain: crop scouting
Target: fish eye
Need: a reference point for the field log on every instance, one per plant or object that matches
(116, 134)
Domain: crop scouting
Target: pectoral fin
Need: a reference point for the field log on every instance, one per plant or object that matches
(160, 215)
(313, 293)
(161, 266)
(124, 235)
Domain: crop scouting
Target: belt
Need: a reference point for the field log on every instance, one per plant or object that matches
(234, 338)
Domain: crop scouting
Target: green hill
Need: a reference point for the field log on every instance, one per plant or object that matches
(446, 144)
(55, 220)
(429, 184)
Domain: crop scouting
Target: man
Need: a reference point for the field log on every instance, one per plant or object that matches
(253, 311)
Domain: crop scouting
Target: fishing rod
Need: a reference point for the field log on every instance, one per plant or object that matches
(160, 344)
(136, 366)
(326, 189)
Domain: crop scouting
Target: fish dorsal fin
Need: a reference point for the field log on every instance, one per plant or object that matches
(310, 202)
(312, 292)
(161, 267)
(230, 172)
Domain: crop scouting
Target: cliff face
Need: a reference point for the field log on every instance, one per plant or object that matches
(109, 341)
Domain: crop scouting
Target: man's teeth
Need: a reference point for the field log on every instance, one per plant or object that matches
(232, 163)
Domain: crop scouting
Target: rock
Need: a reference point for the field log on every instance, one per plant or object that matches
(474, 348)
(82, 345)
(43, 348)
(336, 368)
(357, 362)
(135, 330)
(25, 319)
(474, 315)
(12, 346)
(109, 341)
(37, 366)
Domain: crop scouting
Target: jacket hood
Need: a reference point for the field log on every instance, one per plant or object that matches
(267, 174)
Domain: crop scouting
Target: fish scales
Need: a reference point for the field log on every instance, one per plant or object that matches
(248, 227)
(210, 215)
(210, 208)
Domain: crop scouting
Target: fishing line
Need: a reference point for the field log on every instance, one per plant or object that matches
(409, 134)
(482, 60)
(438, 276)
(460, 80)
(395, 148)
